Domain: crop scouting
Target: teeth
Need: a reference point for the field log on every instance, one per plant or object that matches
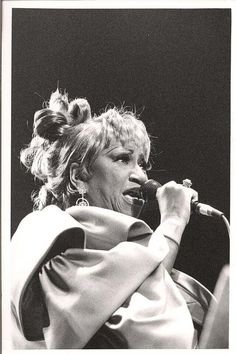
(131, 198)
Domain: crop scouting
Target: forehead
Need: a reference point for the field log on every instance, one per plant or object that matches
(117, 146)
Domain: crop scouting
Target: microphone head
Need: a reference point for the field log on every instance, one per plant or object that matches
(149, 189)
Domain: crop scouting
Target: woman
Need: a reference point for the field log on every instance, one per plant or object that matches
(95, 275)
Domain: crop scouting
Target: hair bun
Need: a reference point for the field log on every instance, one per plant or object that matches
(49, 124)
(79, 111)
(58, 102)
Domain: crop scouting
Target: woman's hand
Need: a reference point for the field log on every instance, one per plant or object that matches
(175, 202)
(175, 209)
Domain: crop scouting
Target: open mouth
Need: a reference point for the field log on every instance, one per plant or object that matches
(133, 195)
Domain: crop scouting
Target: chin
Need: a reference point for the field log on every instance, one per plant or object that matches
(133, 210)
(127, 207)
(136, 211)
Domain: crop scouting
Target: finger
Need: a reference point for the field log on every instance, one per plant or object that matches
(194, 195)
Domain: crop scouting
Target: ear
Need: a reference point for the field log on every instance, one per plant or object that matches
(75, 175)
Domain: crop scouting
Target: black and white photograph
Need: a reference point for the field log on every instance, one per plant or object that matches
(117, 141)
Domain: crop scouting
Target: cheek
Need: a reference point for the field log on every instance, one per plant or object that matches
(102, 186)
(108, 180)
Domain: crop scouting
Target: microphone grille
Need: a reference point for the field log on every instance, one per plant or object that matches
(149, 189)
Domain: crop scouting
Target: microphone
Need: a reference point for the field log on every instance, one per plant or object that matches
(149, 189)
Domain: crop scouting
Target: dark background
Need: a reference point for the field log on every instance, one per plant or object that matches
(173, 65)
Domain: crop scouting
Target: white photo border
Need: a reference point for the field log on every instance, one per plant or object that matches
(7, 7)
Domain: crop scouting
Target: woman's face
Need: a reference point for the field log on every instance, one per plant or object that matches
(117, 174)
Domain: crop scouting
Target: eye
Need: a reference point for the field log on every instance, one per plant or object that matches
(145, 165)
(124, 158)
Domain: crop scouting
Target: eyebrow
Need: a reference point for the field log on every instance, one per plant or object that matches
(117, 147)
(141, 156)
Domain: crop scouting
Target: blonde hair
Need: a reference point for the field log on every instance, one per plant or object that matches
(65, 132)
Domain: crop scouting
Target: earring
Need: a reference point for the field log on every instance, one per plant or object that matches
(82, 201)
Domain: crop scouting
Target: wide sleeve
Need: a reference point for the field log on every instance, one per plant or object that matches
(40, 236)
(82, 288)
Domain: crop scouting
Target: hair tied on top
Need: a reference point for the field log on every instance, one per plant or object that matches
(49, 124)
(59, 102)
(79, 111)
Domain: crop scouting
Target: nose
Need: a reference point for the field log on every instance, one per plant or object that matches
(138, 175)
